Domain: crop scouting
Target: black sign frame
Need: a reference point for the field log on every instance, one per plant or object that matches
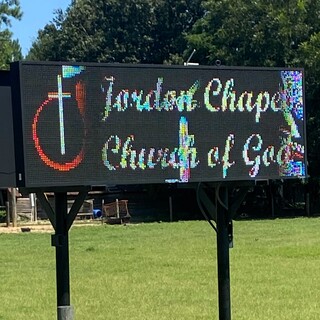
(199, 89)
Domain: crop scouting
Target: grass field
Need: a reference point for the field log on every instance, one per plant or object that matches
(166, 271)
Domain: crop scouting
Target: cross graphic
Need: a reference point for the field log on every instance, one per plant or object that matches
(60, 95)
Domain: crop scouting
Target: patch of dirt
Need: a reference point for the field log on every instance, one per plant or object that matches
(41, 227)
(27, 228)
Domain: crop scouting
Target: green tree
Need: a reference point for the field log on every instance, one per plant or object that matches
(174, 19)
(309, 57)
(9, 9)
(9, 49)
(137, 31)
(257, 33)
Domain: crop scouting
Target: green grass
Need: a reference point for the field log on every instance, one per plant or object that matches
(166, 271)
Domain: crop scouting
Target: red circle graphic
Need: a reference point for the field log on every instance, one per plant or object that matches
(55, 165)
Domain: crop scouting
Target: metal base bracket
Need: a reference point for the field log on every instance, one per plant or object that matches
(65, 313)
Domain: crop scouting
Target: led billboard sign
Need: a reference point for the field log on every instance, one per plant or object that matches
(100, 124)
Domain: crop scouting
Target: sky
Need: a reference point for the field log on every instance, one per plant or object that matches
(36, 14)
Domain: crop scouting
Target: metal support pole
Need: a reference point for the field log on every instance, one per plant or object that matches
(61, 221)
(224, 240)
(61, 242)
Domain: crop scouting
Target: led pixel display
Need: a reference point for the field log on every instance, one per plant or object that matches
(100, 124)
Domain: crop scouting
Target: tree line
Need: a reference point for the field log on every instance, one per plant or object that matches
(10, 49)
(268, 33)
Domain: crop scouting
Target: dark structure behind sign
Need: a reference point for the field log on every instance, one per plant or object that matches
(7, 159)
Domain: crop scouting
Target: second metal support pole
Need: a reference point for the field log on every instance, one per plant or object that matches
(61, 241)
(224, 238)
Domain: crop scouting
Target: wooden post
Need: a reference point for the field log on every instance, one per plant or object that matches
(118, 211)
(33, 202)
(8, 214)
(14, 206)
